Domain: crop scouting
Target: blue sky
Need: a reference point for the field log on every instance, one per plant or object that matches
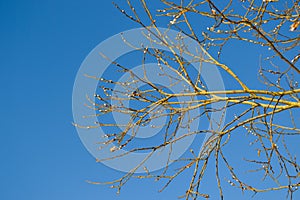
(43, 44)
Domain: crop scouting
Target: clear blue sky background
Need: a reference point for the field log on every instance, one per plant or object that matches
(42, 45)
